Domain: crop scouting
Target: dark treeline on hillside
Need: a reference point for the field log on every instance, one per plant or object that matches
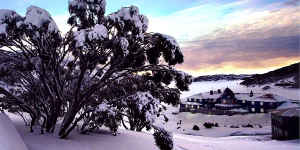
(291, 71)
(218, 77)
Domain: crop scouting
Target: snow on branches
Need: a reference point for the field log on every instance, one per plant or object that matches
(3, 28)
(8, 19)
(128, 20)
(86, 13)
(168, 47)
(36, 24)
(39, 18)
(124, 45)
(146, 104)
(97, 33)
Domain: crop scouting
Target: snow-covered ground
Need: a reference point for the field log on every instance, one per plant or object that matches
(218, 138)
(200, 87)
(128, 140)
(260, 121)
(187, 142)
(9, 137)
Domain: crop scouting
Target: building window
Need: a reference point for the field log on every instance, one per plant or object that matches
(253, 103)
(253, 109)
(244, 101)
(261, 103)
(262, 110)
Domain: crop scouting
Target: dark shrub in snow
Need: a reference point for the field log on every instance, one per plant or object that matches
(196, 128)
(163, 139)
(208, 125)
(251, 94)
(216, 125)
(248, 126)
(266, 87)
(234, 126)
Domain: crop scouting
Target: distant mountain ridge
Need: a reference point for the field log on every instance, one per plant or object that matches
(287, 76)
(228, 77)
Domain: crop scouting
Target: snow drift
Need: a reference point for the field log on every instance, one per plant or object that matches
(9, 137)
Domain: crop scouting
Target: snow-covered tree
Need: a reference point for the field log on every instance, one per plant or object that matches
(251, 93)
(104, 68)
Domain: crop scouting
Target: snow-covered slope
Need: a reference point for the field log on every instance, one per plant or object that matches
(228, 77)
(201, 87)
(261, 124)
(103, 140)
(9, 137)
(187, 142)
(287, 76)
(128, 140)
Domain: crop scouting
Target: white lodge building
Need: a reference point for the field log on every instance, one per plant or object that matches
(234, 102)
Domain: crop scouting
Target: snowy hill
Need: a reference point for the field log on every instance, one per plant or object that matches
(286, 77)
(218, 77)
(128, 140)
(201, 87)
(9, 137)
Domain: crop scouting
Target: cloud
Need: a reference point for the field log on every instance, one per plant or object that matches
(234, 37)
(235, 67)
(292, 3)
(248, 42)
(188, 24)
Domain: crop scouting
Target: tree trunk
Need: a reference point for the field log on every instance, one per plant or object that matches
(52, 118)
(72, 126)
(68, 119)
(51, 122)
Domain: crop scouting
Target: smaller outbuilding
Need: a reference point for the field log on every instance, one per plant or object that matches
(285, 124)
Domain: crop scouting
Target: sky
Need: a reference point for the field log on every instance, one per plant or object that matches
(216, 36)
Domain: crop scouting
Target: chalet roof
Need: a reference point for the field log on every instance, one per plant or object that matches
(270, 98)
(227, 105)
(228, 93)
(262, 97)
(205, 95)
(191, 103)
